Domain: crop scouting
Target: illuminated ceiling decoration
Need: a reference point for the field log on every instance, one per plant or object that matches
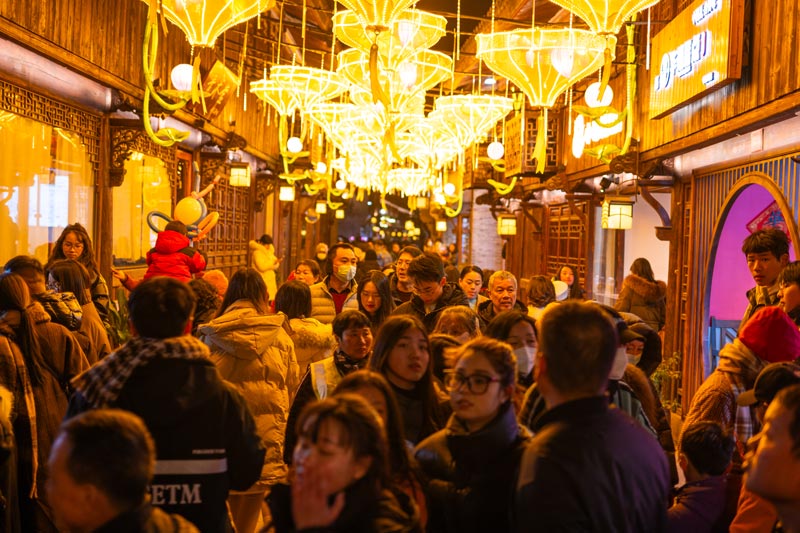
(202, 21)
(412, 30)
(377, 15)
(401, 83)
(543, 63)
(605, 16)
(468, 116)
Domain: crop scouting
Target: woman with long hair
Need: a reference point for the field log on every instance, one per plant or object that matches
(519, 331)
(403, 469)
(68, 275)
(254, 353)
(541, 292)
(75, 243)
(401, 354)
(341, 481)
(470, 280)
(38, 358)
(569, 275)
(313, 340)
(375, 298)
(643, 295)
(471, 464)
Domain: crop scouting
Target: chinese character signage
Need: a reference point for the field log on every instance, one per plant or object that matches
(698, 52)
(770, 217)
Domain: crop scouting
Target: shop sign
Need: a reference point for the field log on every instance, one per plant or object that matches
(698, 52)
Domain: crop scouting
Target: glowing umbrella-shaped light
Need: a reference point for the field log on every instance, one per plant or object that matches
(605, 16)
(377, 15)
(411, 31)
(543, 63)
(202, 21)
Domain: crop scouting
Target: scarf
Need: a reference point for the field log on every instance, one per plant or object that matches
(102, 384)
(742, 367)
(347, 365)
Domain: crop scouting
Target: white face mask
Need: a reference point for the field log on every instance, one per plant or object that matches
(634, 359)
(346, 273)
(526, 359)
(620, 362)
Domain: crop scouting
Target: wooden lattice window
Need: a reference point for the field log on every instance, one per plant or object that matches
(226, 244)
(567, 239)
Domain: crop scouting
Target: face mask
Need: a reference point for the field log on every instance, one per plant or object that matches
(620, 362)
(346, 273)
(634, 359)
(526, 359)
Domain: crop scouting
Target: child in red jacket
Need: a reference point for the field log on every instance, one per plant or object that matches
(172, 256)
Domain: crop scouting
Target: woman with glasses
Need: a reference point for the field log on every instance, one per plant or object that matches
(74, 243)
(401, 354)
(472, 463)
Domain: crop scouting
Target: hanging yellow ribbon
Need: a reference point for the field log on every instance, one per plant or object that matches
(540, 149)
(501, 189)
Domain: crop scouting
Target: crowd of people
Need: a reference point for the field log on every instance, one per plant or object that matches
(383, 389)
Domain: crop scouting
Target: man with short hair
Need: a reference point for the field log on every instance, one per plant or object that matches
(502, 297)
(399, 282)
(773, 463)
(767, 253)
(432, 293)
(338, 290)
(589, 467)
(100, 466)
(205, 434)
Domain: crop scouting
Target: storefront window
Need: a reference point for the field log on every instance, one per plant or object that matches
(145, 189)
(46, 183)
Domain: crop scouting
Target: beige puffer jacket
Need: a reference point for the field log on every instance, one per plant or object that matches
(313, 341)
(255, 353)
(322, 306)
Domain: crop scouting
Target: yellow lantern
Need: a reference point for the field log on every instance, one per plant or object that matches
(605, 16)
(202, 21)
(377, 15)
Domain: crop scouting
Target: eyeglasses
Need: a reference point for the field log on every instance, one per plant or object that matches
(71, 246)
(476, 383)
(425, 291)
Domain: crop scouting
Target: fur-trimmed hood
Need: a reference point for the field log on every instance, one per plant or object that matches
(651, 292)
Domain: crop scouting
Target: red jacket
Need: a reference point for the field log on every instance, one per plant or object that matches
(173, 257)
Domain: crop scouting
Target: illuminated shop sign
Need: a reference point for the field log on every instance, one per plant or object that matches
(698, 52)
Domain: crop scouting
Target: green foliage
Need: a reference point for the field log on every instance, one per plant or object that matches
(119, 331)
(667, 379)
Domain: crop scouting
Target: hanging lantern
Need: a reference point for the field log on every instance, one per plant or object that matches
(441, 226)
(605, 16)
(506, 225)
(340, 214)
(321, 207)
(617, 213)
(543, 63)
(377, 15)
(286, 193)
(240, 175)
(202, 21)
(411, 31)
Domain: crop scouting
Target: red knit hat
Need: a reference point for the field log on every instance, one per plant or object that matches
(771, 335)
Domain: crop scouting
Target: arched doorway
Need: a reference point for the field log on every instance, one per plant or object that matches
(755, 203)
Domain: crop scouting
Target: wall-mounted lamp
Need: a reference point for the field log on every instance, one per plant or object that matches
(617, 213)
(506, 225)
(340, 214)
(441, 226)
(286, 193)
(240, 175)
(606, 182)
